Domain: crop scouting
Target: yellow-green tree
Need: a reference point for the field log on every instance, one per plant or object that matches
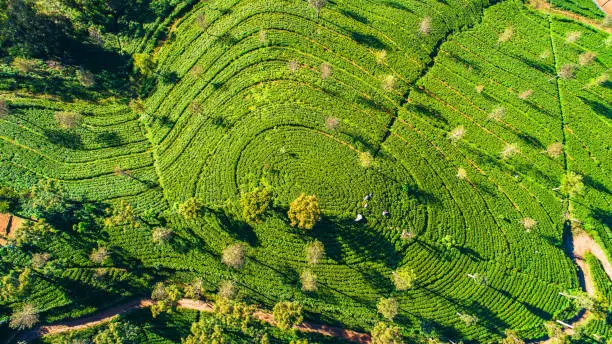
(166, 298)
(255, 203)
(304, 211)
(383, 333)
(190, 209)
(144, 64)
(287, 314)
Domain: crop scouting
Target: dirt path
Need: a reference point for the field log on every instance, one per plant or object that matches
(545, 6)
(198, 305)
(582, 244)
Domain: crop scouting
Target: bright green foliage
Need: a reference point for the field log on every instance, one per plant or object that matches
(144, 64)
(233, 313)
(384, 333)
(403, 278)
(205, 331)
(191, 208)
(122, 215)
(571, 184)
(388, 308)
(304, 211)
(117, 333)
(255, 203)
(287, 314)
(166, 298)
(47, 196)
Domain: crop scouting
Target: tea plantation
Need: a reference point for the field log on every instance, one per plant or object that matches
(459, 143)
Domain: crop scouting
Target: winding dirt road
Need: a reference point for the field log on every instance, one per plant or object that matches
(202, 306)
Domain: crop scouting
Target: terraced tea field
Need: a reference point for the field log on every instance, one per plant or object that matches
(437, 137)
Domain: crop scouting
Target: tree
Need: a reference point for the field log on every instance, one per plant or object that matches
(24, 65)
(4, 108)
(255, 203)
(468, 320)
(425, 26)
(383, 333)
(39, 260)
(456, 134)
(388, 308)
(317, 5)
(122, 214)
(24, 318)
(85, 77)
(116, 333)
(227, 289)
(205, 331)
(555, 149)
(381, 57)
(287, 314)
(233, 256)
(195, 289)
(525, 94)
(509, 150)
(304, 211)
(234, 314)
(262, 36)
(308, 280)
(461, 173)
(506, 35)
(144, 64)
(528, 223)
(161, 235)
(479, 279)
(566, 71)
(326, 70)
(511, 338)
(315, 251)
(293, 66)
(332, 123)
(137, 106)
(403, 278)
(572, 36)
(497, 114)
(68, 120)
(166, 298)
(389, 83)
(365, 159)
(46, 197)
(586, 58)
(479, 88)
(571, 184)
(99, 255)
(191, 208)
(32, 232)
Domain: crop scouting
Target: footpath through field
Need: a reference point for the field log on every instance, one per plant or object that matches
(582, 244)
(198, 305)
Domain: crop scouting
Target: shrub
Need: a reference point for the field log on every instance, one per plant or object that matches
(293, 66)
(304, 211)
(233, 256)
(255, 203)
(24, 65)
(287, 314)
(314, 252)
(24, 318)
(388, 308)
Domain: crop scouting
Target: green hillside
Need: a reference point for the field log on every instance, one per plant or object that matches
(437, 137)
